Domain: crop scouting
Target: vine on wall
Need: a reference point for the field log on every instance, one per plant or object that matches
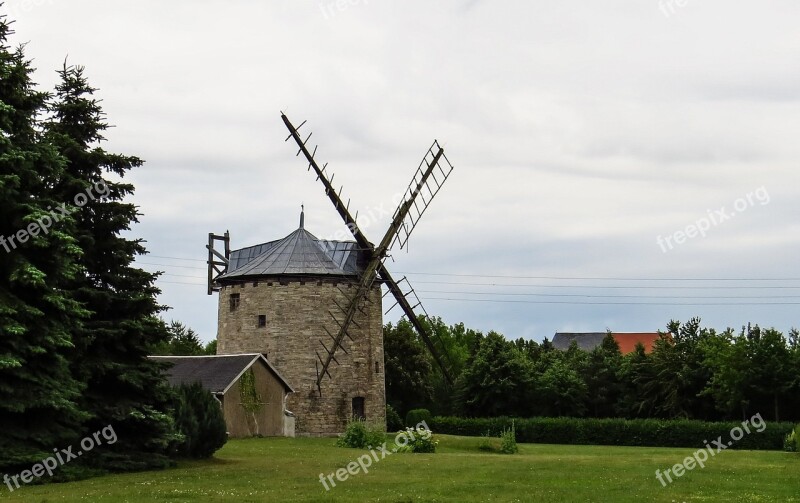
(251, 399)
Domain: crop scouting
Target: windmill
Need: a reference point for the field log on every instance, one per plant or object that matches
(432, 172)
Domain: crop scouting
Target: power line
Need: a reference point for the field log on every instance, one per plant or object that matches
(176, 258)
(184, 276)
(593, 278)
(619, 303)
(508, 301)
(601, 287)
(607, 286)
(172, 265)
(525, 294)
(558, 278)
(580, 296)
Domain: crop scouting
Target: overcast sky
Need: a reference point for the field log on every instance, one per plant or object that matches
(580, 132)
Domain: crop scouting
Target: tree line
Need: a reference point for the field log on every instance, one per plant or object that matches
(693, 372)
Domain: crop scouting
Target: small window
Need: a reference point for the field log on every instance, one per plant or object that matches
(377, 367)
(234, 301)
(262, 320)
(358, 408)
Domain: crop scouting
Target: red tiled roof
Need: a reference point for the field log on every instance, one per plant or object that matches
(627, 340)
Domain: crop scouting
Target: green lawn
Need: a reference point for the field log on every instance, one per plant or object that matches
(280, 469)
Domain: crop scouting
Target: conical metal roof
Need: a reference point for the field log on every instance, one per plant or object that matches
(299, 253)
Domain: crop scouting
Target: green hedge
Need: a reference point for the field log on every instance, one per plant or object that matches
(416, 416)
(635, 432)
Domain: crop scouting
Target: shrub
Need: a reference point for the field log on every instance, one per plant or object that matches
(355, 435)
(416, 440)
(360, 435)
(198, 418)
(393, 420)
(508, 441)
(486, 443)
(796, 433)
(792, 441)
(417, 416)
(376, 436)
(634, 432)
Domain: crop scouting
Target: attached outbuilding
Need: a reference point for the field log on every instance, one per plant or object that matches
(251, 392)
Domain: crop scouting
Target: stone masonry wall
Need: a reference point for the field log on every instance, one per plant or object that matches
(296, 312)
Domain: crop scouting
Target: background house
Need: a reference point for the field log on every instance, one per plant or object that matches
(226, 376)
(587, 341)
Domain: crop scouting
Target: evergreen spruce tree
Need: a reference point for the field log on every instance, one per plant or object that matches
(183, 341)
(123, 387)
(38, 256)
(198, 417)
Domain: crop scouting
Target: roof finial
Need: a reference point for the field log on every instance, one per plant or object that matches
(302, 215)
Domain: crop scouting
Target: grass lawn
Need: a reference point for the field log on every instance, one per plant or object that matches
(282, 469)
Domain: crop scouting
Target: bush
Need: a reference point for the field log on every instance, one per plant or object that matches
(417, 416)
(393, 420)
(508, 441)
(198, 418)
(796, 433)
(792, 441)
(634, 432)
(486, 443)
(360, 435)
(417, 440)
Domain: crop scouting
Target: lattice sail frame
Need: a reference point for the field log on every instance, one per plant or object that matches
(423, 188)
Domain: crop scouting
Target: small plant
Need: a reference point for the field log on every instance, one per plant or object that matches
(792, 441)
(486, 443)
(416, 439)
(360, 435)
(376, 435)
(508, 440)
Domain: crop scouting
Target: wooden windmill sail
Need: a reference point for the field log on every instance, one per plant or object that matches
(428, 179)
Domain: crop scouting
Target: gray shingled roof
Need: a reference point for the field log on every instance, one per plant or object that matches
(298, 253)
(586, 340)
(215, 373)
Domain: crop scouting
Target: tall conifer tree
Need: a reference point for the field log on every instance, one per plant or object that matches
(38, 256)
(123, 387)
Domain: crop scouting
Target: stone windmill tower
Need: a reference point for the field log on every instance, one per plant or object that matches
(307, 304)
